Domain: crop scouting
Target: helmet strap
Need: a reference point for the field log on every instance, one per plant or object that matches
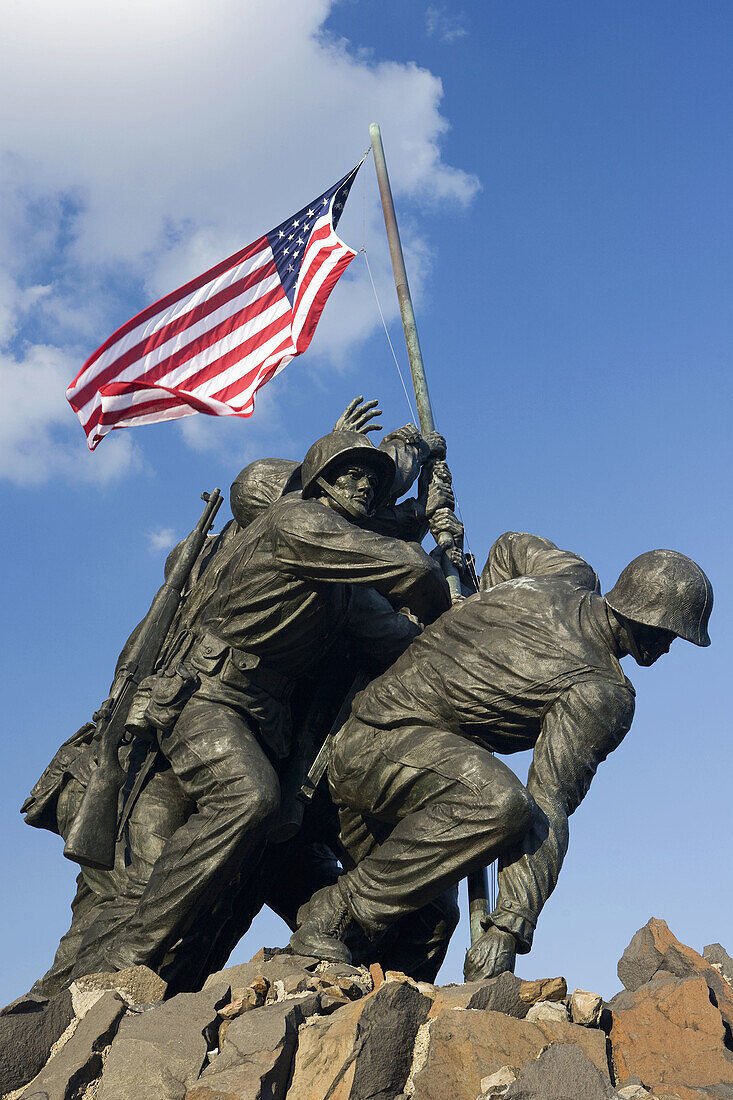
(631, 641)
(338, 497)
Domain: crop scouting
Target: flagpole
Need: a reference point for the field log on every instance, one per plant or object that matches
(414, 354)
(478, 885)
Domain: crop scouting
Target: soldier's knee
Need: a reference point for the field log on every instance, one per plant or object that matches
(258, 804)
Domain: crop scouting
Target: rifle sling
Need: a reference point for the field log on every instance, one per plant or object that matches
(132, 797)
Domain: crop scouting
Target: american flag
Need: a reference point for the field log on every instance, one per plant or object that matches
(209, 346)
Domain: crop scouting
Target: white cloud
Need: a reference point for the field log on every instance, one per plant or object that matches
(448, 28)
(141, 142)
(162, 538)
(38, 436)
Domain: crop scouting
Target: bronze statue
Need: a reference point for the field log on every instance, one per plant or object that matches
(529, 661)
(255, 695)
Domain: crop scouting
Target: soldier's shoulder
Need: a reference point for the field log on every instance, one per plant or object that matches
(295, 513)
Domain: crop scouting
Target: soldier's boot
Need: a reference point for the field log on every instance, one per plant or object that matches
(323, 922)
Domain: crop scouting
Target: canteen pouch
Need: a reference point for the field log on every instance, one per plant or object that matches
(169, 695)
(160, 699)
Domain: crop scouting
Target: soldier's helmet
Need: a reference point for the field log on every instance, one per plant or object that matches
(668, 590)
(259, 485)
(336, 447)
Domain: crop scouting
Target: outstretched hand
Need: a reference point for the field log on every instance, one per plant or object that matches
(492, 954)
(357, 415)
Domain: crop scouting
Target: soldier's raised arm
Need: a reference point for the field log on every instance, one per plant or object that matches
(318, 544)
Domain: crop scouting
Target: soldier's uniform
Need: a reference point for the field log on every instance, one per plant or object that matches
(279, 594)
(105, 900)
(529, 663)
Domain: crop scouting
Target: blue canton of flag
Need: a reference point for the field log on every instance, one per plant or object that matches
(289, 240)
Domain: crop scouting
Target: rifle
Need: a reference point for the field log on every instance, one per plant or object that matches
(92, 837)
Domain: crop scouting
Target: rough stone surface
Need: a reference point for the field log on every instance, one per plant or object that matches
(560, 1073)
(137, 985)
(159, 1052)
(288, 1028)
(257, 1053)
(586, 1008)
(496, 1082)
(500, 994)
(365, 1050)
(655, 952)
(543, 989)
(547, 1011)
(718, 957)
(80, 1059)
(674, 1038)
(465, 1047)
(276, 967)
(27, 1035)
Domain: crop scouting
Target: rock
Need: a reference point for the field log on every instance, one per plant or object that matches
(464, 1047)
(255, 1059)
(79, 1061)
(719, 958)
(27, 1002)
(561, 1072)
(500, 994)
(586, 1008)
(495, 1084)
(543, 989)
(27, 1034)
(633, 1092)
(158, 1053)
(364, 1051)
(547, 1011)
(253, 996)
(136, 984)
(674, 1037)
(377, 975)
(656, 956)
(277, 967)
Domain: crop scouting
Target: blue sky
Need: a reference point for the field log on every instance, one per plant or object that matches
(563, 177)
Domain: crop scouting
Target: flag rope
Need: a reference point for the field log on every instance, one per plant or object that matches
(389, 340)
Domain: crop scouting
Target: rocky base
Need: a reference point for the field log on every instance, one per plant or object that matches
(283, 1027)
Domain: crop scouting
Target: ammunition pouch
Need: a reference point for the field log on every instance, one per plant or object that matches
(236, 668)
(161, 698)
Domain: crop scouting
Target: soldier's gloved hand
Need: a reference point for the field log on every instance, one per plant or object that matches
(437, 444)
(440, 495)
(444, 522)
(410, 435)
(492, 954)
(356, 416)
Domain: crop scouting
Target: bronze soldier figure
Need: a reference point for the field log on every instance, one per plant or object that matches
(273, 603)
(104, 899)
(532, 661)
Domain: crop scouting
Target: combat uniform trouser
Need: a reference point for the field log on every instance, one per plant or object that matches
(419, 809)
(225, 773)
(105, 900)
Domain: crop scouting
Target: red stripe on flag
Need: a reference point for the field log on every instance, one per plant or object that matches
(317, 306)
(167, 332)
(206, 339)
(173, 297)
(204, 374)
